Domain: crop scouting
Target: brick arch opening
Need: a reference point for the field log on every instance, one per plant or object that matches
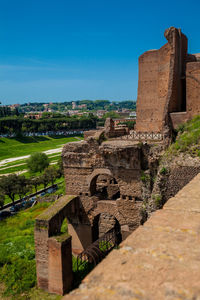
(102, 223)
(104, 185)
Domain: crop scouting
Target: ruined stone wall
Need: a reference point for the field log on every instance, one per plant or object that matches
(178, 172)
(53, 249)
(160, 87)
(193, 88)
(178, 178)
(178, 118)
(80, 160)
(160, 260)
(107, 178)
(153, 82)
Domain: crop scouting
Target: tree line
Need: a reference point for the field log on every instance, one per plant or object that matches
(91, 105)
(6, 111)
(20, 125)
(18, 185)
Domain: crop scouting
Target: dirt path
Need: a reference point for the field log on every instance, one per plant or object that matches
(9, 160)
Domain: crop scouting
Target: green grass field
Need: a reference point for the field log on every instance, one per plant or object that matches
(14, 147)
(20, 165)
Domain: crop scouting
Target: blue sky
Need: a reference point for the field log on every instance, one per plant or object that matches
(62, 50)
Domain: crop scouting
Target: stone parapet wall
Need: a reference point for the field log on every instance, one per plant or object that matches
(160, 260)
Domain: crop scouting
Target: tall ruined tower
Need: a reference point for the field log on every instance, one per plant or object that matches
(162, 83)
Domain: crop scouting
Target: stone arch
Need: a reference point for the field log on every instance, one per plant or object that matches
(92, 179)
(96, 226)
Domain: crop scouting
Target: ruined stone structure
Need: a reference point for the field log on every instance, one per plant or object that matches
(159, 260)
(106, 178)
(168, 86)
(109, 175)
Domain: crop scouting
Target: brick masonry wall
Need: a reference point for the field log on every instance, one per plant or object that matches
(160, 85)
(193, 88)
(160, 260)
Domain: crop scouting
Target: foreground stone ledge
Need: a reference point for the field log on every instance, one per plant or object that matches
(160, 260)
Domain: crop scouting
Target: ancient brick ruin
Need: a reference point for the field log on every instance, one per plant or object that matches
(168, 86)
(103, 173)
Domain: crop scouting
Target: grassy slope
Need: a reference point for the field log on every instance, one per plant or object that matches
(17, 256)
(14, 147)
(188, 139)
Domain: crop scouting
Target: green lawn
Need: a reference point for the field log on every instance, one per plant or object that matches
(13, 167)
(14, 147)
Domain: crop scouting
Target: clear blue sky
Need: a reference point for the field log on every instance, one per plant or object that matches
(62, 50)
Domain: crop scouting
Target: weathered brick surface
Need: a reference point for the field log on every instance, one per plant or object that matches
(193, 88)
(159, 260)
(103, 176)
(54, 255)
(60, 265)
(159, 85)
(169, 83)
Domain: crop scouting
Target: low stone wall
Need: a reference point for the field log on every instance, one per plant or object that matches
(160, 260)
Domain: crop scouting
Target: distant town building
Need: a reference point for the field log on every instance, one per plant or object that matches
(100, 113)
(73, 105)
(33, 115)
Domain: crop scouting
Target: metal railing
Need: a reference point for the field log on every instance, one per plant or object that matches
(143, 136)
(98, 250)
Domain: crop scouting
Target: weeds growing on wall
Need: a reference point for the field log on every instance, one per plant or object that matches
(188, 138)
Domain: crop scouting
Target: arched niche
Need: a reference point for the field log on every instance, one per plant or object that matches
(103, 184)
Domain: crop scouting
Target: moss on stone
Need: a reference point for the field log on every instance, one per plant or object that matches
(56, 207)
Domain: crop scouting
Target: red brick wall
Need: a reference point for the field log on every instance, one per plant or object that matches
(193, 88)
(160, 85)
(152, 89)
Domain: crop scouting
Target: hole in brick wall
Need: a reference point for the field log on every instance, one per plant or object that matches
(64, 228)
(105, 187)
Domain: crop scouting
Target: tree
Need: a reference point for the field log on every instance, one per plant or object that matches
(51, 173)
(22, 186)
(8, 185)
(37, 162)
(45, 180)
(35, 181)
